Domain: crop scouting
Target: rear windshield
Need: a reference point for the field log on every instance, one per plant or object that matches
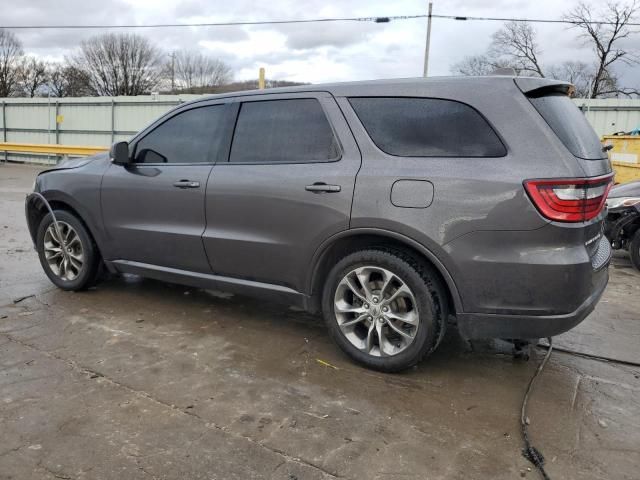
(570, 125)
(426, 127)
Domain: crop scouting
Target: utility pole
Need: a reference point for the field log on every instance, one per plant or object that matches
(428, 42)
(173, 71)
(261, 78)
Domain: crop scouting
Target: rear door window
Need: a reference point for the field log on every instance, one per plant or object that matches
(283, 131)
(427, 127)
(570, 125)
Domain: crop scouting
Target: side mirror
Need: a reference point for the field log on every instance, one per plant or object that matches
(119, 153)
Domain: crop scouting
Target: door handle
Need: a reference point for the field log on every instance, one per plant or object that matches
(186, 184)
(319, 187)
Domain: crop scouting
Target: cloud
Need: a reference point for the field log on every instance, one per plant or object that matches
(301, 37)
(306, 52)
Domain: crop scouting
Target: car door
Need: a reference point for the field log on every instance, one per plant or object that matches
(154, 209)
(287, 186)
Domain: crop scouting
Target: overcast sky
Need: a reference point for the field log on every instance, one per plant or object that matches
(308, 52)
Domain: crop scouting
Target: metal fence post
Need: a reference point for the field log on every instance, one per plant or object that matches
(57, 124)
(113, 120)
(57, 136)
(4, 129)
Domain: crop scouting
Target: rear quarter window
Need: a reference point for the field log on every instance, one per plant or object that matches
(570, 125)
(427, 127)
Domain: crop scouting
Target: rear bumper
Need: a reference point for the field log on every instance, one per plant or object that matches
(485, 325)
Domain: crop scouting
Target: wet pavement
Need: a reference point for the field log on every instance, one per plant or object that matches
(142, 379)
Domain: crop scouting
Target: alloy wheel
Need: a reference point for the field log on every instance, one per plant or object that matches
(376, 311)
(65, 256)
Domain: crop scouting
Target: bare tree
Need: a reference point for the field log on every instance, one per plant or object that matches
(578, 73)
(515, 43)
(192, 71)
(513, 46)
(32, 76)
(119, 64)
(10, 53)
(605, 40)
(68, 81)
(478, 65)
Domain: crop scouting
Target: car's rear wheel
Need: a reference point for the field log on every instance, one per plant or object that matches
(634, 250)
(384, 309)
(67, 252)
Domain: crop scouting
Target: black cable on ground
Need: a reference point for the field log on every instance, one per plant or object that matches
(529, 451)
(590, 356)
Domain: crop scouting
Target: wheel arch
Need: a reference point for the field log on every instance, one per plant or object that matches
(352, 240)
(36, 211)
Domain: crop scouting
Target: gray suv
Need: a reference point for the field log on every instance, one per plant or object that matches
(389, 206)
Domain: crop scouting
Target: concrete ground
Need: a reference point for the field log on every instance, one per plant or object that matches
(139, 379)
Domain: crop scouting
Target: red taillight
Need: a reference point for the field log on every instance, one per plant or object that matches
(569, 199)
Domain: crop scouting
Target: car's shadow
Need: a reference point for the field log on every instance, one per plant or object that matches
(163, 304)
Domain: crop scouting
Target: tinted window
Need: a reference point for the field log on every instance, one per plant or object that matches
(186, 138)
(570, 125)
(427, 127)
(275, 131)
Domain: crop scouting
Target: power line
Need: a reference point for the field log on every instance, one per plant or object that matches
(216, 24)
(386, 19)
(530, 20)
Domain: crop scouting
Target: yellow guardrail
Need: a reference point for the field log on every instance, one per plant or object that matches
(625, 156)
(76, 151)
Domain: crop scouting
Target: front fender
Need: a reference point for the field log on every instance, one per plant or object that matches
(77, 190)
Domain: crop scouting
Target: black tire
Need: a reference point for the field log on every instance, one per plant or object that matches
(427, 290)
(89, 273)
(634, 250)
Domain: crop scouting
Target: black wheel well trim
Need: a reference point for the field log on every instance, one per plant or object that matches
(325, 247)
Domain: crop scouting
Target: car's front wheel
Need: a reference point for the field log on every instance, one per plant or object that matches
(384, 309)
(67, 252)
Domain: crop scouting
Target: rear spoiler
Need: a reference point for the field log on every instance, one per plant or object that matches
(536, 87)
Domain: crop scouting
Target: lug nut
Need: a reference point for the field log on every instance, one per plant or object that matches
(369, 318)
(375, 299)
(385, 309)
(366, 305)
